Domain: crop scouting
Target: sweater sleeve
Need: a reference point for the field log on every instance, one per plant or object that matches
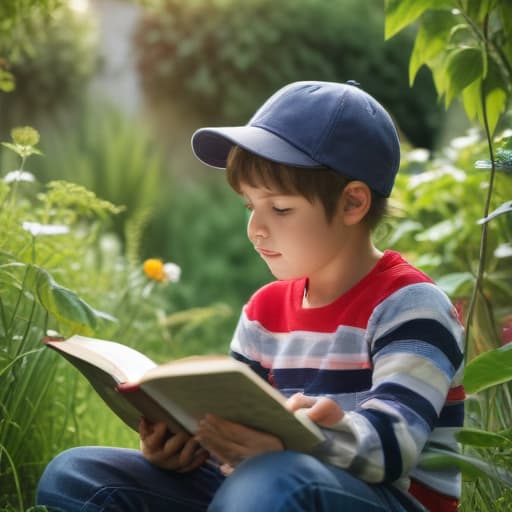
(415, 342)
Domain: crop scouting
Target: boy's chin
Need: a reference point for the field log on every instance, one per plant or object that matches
(285, 276)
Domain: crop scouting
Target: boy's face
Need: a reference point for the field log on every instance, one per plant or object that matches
(291, 234)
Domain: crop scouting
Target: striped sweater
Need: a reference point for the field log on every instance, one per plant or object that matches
(389, 351)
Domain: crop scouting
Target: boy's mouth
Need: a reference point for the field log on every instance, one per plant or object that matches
(267, 253)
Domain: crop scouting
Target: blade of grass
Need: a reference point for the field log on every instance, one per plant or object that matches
(4, 450)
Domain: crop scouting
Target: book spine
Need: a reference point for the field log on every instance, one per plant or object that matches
(127, 387)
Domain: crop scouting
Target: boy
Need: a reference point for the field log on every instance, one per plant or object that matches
(361, 339)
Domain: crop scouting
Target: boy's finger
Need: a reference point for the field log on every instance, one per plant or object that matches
(188, 452)
(299, 401)
(325, 412)
(175, 443)
(154, 435)
(199, 459)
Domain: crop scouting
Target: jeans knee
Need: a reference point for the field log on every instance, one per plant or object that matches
(71, 474)
(265, 481)
(296, 466)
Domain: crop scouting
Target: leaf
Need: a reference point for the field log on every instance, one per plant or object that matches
(195, 315)
(400, 13)
(495, 103)
(440, 231)
(478, 9)
(63, 304)
(471, 100)
(11, 146)
(464, 66)
(405, 228)
(482, 438)
(7, 81)
(470, 466)
(438, 68)
(489, 369)
(19, 357)
(505, 14)
(431, 40)
(451, 283)
(504, 208)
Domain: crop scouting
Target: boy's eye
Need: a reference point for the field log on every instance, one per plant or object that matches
(281, 211)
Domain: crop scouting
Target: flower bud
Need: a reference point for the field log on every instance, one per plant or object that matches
(25, 136)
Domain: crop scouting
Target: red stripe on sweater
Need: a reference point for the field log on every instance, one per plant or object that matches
(456, 394)
(352, 309)
(434, 501)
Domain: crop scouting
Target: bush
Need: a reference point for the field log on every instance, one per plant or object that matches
(57, 259)
(113, 155)
(439, 202)
(203, 229)
(223, 58)
(52, 53)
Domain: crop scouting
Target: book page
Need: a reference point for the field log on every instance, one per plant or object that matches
(235, 397)
(123, 362)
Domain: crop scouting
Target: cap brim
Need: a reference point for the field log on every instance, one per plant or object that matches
(212, 146)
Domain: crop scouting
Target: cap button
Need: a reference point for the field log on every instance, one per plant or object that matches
(353, 82)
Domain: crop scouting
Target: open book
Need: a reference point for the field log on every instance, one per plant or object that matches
(183, 391)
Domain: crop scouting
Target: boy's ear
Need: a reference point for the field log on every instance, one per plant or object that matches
(355, 201)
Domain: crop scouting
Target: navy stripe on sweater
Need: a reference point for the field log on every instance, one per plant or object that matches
(315, 381)
(451, 415)
(431, 332)
(399, 394)
(254, 365)
(383, 424)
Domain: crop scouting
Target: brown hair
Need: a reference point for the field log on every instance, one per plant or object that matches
(319, 183)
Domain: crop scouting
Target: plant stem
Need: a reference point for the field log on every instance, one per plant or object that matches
(483, 238)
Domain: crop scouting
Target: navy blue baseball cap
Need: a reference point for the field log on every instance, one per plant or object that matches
(312, 125)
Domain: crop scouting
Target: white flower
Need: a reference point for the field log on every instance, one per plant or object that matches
(418, 155)
(424, 177)
(472, 137)
(19, 176)
(36, 229)
(503, 251)
(172, 272)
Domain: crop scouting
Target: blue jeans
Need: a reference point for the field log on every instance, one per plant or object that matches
(94, 479)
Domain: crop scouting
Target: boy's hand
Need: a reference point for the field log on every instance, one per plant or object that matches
(324, 411)
(177, 452)
(232, 443)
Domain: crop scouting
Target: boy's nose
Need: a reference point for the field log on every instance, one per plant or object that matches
(256, 227)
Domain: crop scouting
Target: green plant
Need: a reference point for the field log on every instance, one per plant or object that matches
(48, 52)
(56, 258)
(468, 47)
(32, 301)
(13, 13)
(216, 257)
(221, 59)
(114, 155)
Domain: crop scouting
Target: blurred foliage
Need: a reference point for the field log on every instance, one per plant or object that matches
(51, 53)
(113, 154)
(61, 269)
(33, 300)
(467, 45)
(438, 202)
(13, 32)
(204, 230)
(223, 58)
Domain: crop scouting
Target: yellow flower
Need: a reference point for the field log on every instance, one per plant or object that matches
(154, 269)
(157, 270)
